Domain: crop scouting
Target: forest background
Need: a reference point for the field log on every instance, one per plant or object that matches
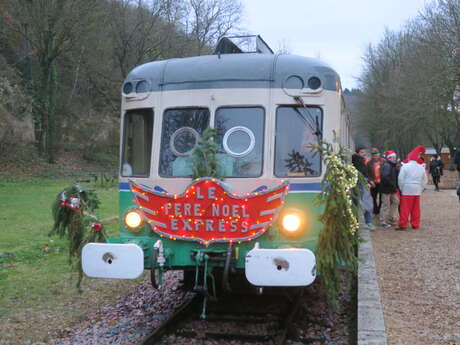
(62, 63)
(410, 86)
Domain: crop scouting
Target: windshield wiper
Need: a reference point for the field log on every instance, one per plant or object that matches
(317, 129)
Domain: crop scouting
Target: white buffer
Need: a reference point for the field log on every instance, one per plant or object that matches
(112, 260)
(280, 267)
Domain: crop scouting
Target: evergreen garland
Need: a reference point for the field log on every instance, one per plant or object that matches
(204, 161)
(338, 238)
(74, 219)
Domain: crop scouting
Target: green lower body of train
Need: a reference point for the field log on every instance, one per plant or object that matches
(179, 254)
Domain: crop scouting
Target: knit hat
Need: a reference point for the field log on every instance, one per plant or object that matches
(375, 151)
(390, 153)
(415, 154)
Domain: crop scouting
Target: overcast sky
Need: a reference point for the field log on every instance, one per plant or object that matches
(337, 31)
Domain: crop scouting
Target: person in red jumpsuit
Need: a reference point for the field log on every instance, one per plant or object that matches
(411, 180)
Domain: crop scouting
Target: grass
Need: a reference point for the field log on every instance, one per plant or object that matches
(36, 281)
(25, 220)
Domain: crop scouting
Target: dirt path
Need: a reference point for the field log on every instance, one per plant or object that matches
(419, 275)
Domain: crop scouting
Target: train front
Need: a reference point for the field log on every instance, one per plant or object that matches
(258, 225)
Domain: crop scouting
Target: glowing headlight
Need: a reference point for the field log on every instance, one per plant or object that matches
(133, 219)
(291, 222)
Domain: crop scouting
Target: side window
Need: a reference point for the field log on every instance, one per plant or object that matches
(297, 128)
(179, 136)
(137, 143)
(241, 139)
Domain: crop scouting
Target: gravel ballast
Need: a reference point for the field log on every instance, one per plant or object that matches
(131, 318)
(136, 315)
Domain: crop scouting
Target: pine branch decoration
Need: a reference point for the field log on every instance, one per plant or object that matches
(338, 238)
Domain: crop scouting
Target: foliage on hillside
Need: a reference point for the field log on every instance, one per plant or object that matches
(68, 58)
(15, 106)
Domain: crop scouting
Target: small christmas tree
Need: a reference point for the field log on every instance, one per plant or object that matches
(204, 161)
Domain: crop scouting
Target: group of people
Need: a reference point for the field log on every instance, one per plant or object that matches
(395, 186)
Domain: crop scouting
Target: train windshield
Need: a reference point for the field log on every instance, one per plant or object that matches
(297, 128)
(241, 140)
(180, 135)
(242, 44)
(137, 143)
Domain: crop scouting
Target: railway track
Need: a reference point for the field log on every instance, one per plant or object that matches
(260, 319)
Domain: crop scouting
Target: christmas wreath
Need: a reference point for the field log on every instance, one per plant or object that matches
(74, 219)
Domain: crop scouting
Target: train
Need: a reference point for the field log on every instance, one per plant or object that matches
(258, 224)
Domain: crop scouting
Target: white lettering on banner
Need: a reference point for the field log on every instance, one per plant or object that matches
(198, 223)
(211, 193)
(215, 210)
(177, 209)
(186, 224)
(208, 225)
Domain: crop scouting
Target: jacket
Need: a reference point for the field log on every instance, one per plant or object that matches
(457, 158)
(412, 178)
(436, 166)
(375, 168)
(389, 184)
(360, 164)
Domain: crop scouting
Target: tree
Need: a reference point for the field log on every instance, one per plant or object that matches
(209, 20)
(409, 80)
(50, 27)
(283, 47)
(136, 28)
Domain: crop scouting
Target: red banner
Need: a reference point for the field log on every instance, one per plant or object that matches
(209, 212)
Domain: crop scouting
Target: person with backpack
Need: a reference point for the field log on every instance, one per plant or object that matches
(389, 189)
(436, 167)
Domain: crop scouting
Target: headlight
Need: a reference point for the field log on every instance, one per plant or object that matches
(133, 220)
(291, 222)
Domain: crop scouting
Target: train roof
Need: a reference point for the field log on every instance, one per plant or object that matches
(248, 70)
